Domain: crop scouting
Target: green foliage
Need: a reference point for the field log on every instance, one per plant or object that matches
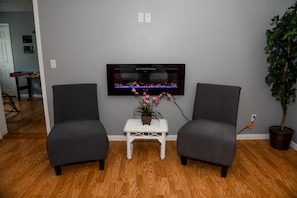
(146, 104)
(282, 58)
(147, 111)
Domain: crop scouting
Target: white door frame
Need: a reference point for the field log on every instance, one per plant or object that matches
(41, 66)
(3, 126)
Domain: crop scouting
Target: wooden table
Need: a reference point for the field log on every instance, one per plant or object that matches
(136, 130)
(29, 78)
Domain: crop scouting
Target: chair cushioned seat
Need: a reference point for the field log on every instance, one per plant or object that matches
(88, 141)
(216, 143)
(211, 134)
(78, 134)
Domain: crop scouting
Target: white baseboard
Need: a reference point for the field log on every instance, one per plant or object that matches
(124, 138)
(174, 137)
(239, 137)
(117, 138)
(293, 145)
(33, 95)
(253, 137)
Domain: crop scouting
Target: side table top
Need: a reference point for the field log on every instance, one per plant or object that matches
(135, 125)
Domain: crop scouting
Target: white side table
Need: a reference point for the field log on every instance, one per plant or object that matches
(156, 131)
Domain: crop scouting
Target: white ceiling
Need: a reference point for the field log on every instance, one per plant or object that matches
(16, 6)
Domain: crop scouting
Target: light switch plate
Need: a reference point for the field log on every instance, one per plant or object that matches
(140, 17)
(53, 63)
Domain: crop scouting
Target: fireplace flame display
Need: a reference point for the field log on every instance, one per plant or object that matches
(121, 78)
(145, 85)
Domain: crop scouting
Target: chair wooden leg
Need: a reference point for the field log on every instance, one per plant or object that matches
(58, 170)
(101, 164)
(224, 171)
(184, 160)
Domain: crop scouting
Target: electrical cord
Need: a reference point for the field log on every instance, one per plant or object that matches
(250, 125)
(179, 108)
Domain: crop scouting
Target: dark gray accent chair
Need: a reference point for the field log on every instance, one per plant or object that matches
(77, 135)
(211, 134)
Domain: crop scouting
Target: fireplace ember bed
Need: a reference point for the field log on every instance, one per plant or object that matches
(156, 78)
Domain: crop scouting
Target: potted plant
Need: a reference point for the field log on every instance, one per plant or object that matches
(282, 71)
(146, 105)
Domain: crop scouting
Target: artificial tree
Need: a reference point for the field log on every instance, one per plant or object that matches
(282, 59)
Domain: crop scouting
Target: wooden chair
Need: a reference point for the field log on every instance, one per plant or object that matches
(8, 100)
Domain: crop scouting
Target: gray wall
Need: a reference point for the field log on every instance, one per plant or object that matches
(16, 6)
(219, 41)
(22, 23)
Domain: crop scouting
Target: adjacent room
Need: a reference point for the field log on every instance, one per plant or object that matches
(20, 78)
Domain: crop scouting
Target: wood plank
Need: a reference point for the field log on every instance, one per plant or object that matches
(257, 171)
(29, 122)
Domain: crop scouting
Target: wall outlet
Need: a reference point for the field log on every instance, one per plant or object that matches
(253, 117)
(148, 18)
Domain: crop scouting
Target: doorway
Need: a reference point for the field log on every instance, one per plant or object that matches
(41, 67)
(30, 120)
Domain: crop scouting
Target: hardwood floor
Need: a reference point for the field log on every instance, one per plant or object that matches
(257, 171)
(29, 122)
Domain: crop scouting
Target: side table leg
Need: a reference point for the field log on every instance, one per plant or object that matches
(163, 146)
(29, 83)
(129, 146)
(18, 87)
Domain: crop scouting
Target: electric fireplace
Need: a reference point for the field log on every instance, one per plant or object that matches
(156, 78)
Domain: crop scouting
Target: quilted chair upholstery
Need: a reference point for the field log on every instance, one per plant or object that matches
(211, 134)
(77, 134)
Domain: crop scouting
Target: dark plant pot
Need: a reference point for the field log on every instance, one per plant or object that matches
(146, 120)
(280, 139)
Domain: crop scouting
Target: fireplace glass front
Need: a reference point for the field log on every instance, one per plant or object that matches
(156, 78)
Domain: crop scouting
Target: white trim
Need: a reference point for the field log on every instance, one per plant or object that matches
(171, 137)
(117, 138)
(253, 137)
(124, 137)
(41, 66)
(293, 145)
(3, 126)
(239, 137)
(33, 95)
(174, 137)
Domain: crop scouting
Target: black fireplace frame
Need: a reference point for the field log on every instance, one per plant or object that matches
(145, 76)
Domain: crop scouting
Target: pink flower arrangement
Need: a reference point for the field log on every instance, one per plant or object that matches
(146, 103)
